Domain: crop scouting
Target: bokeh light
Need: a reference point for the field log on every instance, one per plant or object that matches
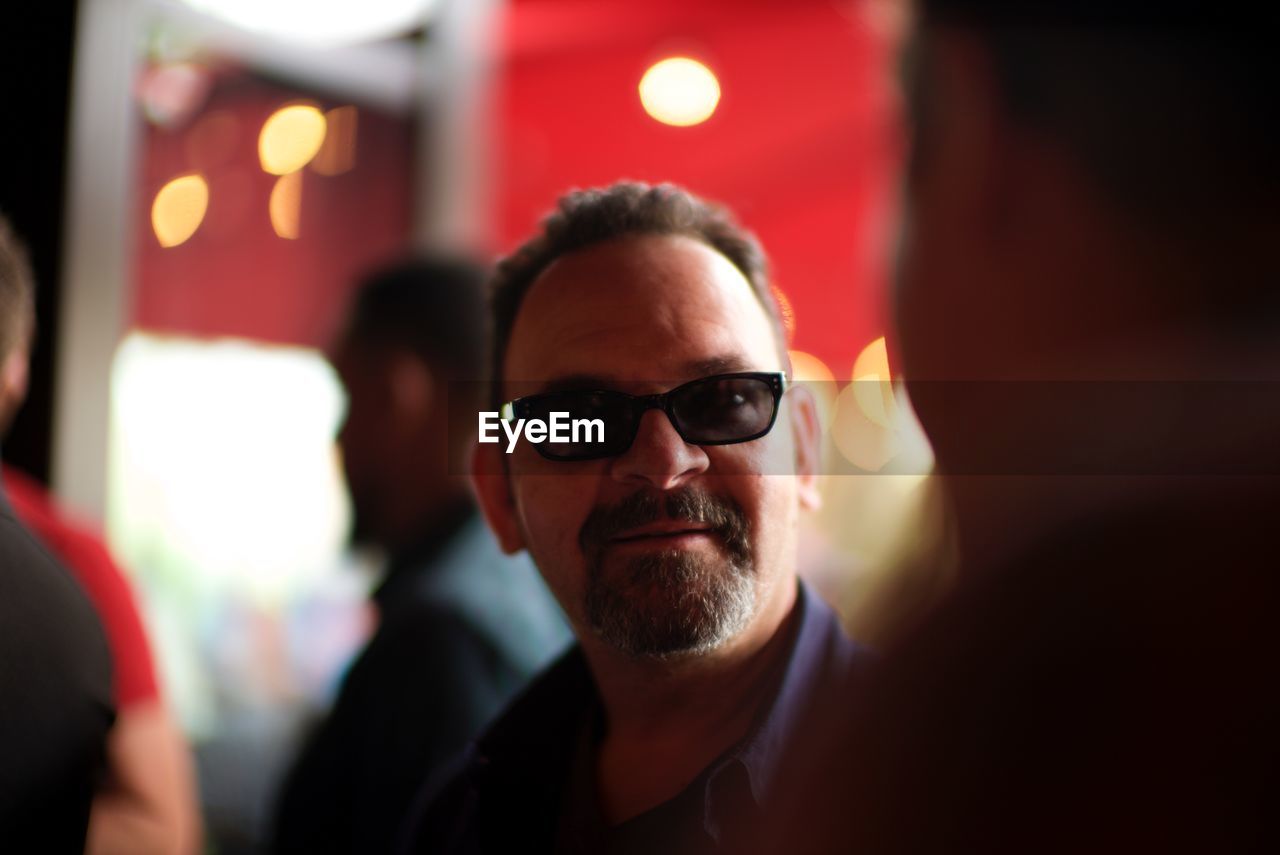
(873, 384)
(863, 441)
(814, 374)
(679, 91)
(285, 205)
(179, 209)
(338, 152)
(290, 138)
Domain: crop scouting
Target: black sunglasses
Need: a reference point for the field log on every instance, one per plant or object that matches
(719, 410)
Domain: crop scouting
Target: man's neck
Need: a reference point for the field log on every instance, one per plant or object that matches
(666, 721)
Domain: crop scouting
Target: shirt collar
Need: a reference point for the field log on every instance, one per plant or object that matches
(534, 737)
(820, 656)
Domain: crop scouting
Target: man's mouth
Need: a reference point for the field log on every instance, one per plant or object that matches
(664, 530)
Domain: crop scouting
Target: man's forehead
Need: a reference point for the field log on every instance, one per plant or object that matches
(663, 302)
(605, 379)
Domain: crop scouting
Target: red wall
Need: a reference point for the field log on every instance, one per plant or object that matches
(802, 146)
(235, 276)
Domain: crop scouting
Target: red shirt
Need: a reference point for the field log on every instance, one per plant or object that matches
(86, 556)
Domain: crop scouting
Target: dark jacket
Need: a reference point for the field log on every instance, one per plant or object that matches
(508, 793)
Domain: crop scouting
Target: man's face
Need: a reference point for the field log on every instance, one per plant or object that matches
(668, 548)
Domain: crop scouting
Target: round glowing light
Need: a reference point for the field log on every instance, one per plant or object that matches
(807, 368)
(863, 440)
(873, 384)
(320, 22)
(285, 205)
(814, 374)
(179, 208)
(679, 91)
(290, 138)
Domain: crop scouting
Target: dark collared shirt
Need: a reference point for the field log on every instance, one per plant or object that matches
(528, 784)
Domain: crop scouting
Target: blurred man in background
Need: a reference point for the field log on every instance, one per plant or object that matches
(1090, 327)
(671, 541)
(145, 796)
(461, 626)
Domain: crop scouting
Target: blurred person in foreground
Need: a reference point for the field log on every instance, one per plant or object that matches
(461, 626)
(670, 540)
(60, 745)
(1089, 324)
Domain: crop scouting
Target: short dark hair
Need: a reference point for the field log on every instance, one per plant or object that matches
(628, 208)
(17, 290)
(432, 306)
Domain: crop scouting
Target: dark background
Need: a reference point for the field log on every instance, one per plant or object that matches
(35, 88)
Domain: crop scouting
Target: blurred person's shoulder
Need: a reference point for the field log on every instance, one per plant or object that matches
(55, 670)
(1102, 691)
(498, 599)
(83, 553)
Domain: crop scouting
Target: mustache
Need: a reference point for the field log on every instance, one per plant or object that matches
(721, 514)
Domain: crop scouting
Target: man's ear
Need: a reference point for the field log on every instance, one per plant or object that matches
(492, 484)
(806, 434)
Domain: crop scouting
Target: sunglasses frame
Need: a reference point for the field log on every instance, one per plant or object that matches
(520, 408)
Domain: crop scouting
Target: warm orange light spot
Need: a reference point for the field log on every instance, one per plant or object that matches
(290, 138)
(863, 442)
(179, 208)
(679, 91)
(873, 384)
(811, 372)
(338, 153)
(285, 205)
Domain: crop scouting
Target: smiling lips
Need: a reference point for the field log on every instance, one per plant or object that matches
(662, 530)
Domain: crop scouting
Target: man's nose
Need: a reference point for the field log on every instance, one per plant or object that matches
(658, 456)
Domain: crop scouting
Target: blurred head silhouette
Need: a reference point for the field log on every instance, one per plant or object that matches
(1090, 195)
(414, 339)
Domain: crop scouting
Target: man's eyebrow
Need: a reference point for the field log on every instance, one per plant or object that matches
(727, 364)
(572, 382)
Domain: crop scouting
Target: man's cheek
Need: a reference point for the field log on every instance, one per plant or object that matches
(552, 523)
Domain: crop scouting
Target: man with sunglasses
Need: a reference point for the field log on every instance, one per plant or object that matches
(670, 542)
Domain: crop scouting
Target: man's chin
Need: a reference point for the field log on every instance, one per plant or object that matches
(669, 603)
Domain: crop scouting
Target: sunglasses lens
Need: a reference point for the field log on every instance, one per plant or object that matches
(713, 411)
(588, 412)
(724, 409)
